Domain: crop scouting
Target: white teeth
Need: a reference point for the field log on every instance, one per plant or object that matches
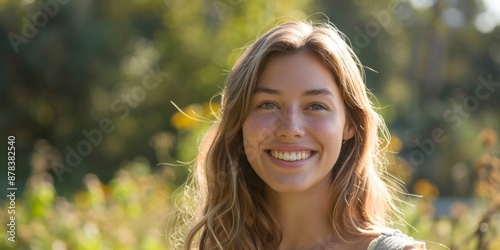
(291, 156)
(286, 156)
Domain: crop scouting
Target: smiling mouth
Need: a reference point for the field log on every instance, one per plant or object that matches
(290, 155)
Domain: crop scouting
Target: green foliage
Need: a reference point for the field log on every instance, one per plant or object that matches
(128, 213)
(105, 60)
(134, 211)
(124, 63)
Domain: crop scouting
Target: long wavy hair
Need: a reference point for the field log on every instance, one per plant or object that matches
(233, 212)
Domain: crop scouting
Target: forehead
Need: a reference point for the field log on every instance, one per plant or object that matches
(299, 71)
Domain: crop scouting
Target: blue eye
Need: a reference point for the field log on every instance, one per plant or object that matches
(268, 105)
(317, 106)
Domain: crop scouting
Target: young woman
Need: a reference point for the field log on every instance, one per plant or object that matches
(294, 160)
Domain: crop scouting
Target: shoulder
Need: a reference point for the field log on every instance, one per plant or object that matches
(394, 240)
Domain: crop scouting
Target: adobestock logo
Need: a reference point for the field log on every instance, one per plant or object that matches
(222, 8)
(93, 138)
(372, 29)
(134, 96)
(131, 98)
(456, 115)
(471, 103)
(38, 20)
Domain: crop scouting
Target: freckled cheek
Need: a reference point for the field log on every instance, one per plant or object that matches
(329, 129)
(260, 127)
(256, 130)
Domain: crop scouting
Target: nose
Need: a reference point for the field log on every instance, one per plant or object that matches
(290, 125)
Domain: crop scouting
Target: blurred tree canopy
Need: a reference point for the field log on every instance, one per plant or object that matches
(98, 81)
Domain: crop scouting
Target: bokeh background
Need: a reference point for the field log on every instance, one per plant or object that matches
(90, 89)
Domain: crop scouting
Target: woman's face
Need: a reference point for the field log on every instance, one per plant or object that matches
(296, 123)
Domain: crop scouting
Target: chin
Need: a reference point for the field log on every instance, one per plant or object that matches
(288, 187)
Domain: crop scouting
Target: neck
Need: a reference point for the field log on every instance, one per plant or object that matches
(304, 217)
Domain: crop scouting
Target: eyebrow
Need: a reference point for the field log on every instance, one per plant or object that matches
(267, 91)
(314, 92)
(309, 92)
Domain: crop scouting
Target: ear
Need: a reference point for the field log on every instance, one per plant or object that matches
(348, 132)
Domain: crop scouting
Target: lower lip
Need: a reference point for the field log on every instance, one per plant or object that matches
(289, 164)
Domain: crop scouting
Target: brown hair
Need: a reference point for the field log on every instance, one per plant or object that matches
(233, 211)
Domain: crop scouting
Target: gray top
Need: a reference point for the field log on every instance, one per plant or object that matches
(394, 240)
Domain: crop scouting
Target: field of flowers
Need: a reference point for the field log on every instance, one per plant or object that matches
(133, 211)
